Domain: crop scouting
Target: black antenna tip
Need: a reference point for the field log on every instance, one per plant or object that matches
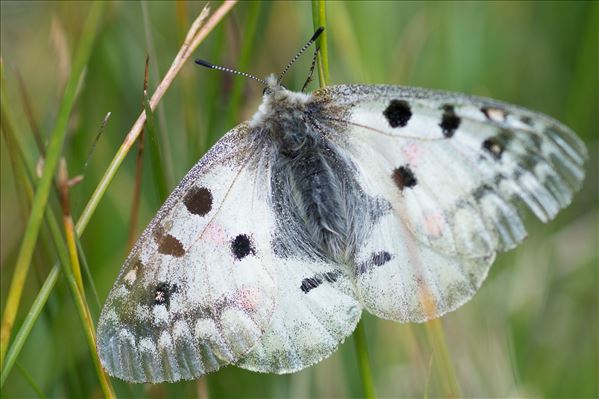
(204, 63)
(317, 33)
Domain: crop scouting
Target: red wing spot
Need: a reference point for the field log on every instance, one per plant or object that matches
(198, 200)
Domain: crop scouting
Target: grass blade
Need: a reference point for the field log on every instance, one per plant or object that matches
(196, 35)
(158, 166)
(363, 364)
(139, 162)
(31, 381)
(319, 19)
(43, 190)
(246, 50)
(63, 250)
(163, 139)
(436, 338)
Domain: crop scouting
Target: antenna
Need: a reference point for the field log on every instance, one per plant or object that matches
(304, 48)
(247, 75)
(233, 71)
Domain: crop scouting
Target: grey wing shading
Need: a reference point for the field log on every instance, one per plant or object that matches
(454, 170)
(316, 310)
(197, 291)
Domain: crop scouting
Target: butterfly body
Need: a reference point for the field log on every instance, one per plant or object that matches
(390, 199)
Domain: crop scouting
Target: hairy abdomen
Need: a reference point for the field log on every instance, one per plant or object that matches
(317, 200)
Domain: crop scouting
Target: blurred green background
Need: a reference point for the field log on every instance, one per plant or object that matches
(531, 331)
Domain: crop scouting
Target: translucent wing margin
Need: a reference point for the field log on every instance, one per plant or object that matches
(197, 291)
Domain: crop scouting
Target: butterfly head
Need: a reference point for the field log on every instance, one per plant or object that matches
(279, 106)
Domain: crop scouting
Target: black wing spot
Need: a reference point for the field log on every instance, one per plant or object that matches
(376, 259)
(449, 121)
(398, 113)
(404, 177)
(162, 293)
(380, 258)
(198, 200)
(494, 147)
(310, 283)
(242, 246)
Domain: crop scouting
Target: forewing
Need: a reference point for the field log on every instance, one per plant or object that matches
(316, 311)
(197, 291)
(454, 170)
(457, 166)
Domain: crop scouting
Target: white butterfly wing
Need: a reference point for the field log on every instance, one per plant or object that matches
(197, 291)
(316, 311)
(453, 168)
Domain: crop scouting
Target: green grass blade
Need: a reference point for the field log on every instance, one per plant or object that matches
(319, 19)
(63, 252)
(30, 319)
(162, 139)
(123, 150)
(31, 381)
(363, 364)
(442, 359)
(87, 271)
(158, 166)
(249, 33)
(43, 190)
(92, 204)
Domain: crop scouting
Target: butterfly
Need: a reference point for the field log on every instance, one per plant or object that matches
(389, 199)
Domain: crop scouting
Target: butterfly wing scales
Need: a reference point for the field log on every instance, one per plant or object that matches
(454, 170)
(316, 311)
(198, 290)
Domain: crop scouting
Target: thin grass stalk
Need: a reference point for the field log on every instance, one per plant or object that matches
(251, 24)
(363, 363)
(31, 381)
(163, 140)
(25, 169)
(52, 277)
(319, 19)
(76, 282)
(155, 153)
(20, 178)
(67, 221)
(43, 189)
(188, 90)
(88, 328)
(436, 338)
(28, 108)
(196, 35)
(87, 271)
(139, 161)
